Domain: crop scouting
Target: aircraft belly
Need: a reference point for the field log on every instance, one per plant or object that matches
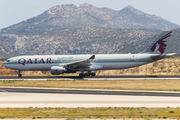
(95, 66)
(121, 65)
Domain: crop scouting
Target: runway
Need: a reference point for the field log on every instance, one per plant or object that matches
(37, 97)
(88, 78)
(89, 91)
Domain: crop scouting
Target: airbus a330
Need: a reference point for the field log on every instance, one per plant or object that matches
(59, 64)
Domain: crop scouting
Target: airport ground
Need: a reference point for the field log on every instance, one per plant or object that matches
(23, 102)
(148, 85)
(91, 113)
(91, 105)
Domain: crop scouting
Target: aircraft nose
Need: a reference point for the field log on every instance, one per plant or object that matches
(4, 64)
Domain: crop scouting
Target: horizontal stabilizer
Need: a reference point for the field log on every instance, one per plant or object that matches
(158, 57)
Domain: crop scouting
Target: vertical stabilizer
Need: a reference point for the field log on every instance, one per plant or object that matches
(159, 45)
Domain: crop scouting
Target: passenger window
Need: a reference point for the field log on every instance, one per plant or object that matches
(8, 61)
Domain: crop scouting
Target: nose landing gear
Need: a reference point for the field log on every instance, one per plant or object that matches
(19, 73)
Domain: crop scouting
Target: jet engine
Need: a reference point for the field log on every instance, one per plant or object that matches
(55, 70)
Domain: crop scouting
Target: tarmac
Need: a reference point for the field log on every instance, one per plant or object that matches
(37, 97)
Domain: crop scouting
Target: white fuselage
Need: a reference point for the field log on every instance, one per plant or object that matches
(101, 61)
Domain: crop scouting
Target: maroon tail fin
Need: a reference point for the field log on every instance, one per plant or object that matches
(160, 41)
(162, 45)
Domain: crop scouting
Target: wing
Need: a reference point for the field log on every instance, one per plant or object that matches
(82, 63)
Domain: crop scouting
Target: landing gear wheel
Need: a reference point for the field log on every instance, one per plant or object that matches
(19, 75)
(86, 74)
(81, 75)
(93, 74)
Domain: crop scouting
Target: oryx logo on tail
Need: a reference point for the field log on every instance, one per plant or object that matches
(160, 44)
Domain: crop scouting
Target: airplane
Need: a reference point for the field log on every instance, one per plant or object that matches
(59, 64)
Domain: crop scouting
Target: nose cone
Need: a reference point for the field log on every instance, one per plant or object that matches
(4, 64)
(7, 65)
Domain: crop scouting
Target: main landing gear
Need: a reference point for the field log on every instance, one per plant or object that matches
(87, 74)
(19, 73)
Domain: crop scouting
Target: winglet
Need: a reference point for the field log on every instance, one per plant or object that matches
(92, 57)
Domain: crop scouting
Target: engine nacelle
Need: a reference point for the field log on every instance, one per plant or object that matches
(55, 70)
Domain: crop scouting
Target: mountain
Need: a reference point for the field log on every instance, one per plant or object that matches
(68, 29)
(63, 17)
(88, 40)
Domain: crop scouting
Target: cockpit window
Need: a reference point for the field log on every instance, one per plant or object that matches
(7, 60)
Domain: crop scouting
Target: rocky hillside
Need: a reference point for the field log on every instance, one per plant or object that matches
(77, 41)
(84, 41)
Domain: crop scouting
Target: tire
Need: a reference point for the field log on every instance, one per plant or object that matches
(86, 74)
(93, 74)
(19, 75)
(81, 75)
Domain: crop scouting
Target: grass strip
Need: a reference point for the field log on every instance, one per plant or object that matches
(99, 112)
(150, 85)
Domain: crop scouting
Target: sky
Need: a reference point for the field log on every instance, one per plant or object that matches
(15, 11)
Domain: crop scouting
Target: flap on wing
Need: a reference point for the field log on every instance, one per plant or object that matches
(83, 63)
